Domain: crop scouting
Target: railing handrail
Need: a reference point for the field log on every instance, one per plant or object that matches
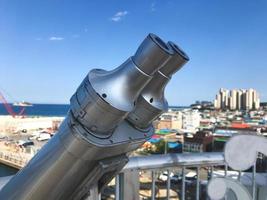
(173, 160)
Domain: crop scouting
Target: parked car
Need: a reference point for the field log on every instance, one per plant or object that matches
(24, 143)
(43, 137)
(27, 143)
(164, 176)
(20, 142)
(34, 135)
(191, 176)
(176, 178)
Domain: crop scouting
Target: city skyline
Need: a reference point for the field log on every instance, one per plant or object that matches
(46, 53)
(237, 99)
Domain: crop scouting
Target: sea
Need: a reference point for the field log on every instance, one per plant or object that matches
(59, 110)
(38, 110)
(6, 170)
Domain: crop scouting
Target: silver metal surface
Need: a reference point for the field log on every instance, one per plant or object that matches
(121, 86)
(211, 171)
(176, 62)
(225, 175)
(109, 96)
(129, 185)
(198, 184)
(158, 162)
(94, 195)
(171, 160)
(4, 180)
(239, 175)
(152, 52)
(254, 181)
(183, 183)
(168, 184)
(218, 187)
(153, 185)
(238, 160)
(117, 187)
(237, 145)
(152, 102)
(225, 170)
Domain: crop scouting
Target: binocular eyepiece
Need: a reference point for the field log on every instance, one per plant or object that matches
(134, 90)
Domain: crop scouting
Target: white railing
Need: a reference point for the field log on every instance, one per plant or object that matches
(127, 183)
(169, 163)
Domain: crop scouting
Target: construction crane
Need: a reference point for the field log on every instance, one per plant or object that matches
(10, 109)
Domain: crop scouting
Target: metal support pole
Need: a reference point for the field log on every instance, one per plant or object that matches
(225, 174)
(120, 186)
(239, 176)
(198, 185)
(225, 170)
(93, 193)
(211, 172)
(153, 189)
(254, 181)
(183, 183)
(130, 185)
(168, 185)
(117, 187)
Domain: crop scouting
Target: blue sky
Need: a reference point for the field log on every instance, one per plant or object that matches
(48, 47)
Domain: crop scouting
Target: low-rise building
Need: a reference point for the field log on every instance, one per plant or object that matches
(191, 120)
(202, 141)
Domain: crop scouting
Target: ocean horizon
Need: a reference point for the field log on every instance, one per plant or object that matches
(49, 109)
(59, 110)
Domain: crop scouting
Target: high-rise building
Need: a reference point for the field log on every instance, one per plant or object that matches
(256, 100)
(237, 99)
(233, 100)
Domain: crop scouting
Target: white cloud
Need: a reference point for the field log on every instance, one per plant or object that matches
(119, 15)
(53, 38)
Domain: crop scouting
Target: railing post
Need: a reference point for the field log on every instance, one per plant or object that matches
(211, 172)
(254, 168)
(118, 186)
(226, 174)
(198, 186)
(168, 185)
(153, 189)
(225, 170)
(183, 183)
(93, 193)
(129, 185)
